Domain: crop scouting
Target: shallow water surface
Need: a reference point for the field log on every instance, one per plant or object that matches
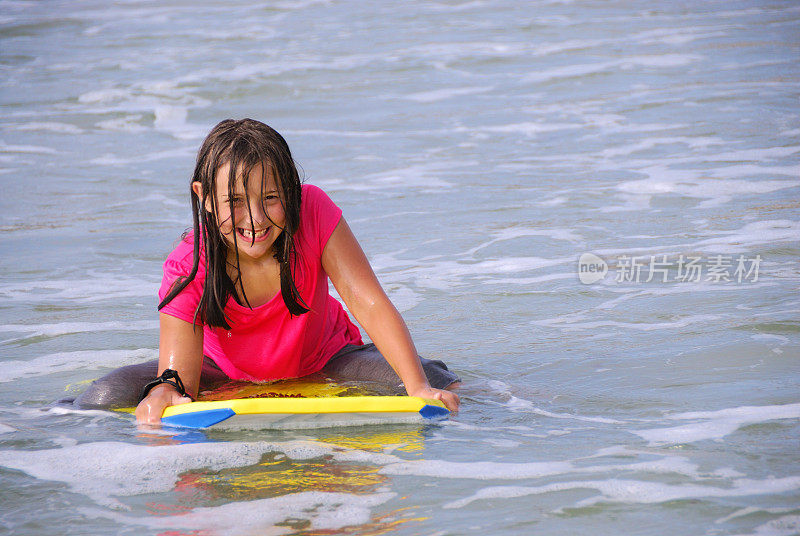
(478, 149)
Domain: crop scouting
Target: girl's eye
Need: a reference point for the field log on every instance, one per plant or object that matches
(270, 197)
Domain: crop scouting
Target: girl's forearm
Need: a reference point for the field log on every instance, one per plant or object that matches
(180, 348)
(389, 332)
(347, 266)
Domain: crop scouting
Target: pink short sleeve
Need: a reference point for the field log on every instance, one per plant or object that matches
(177, 265)
(320, 215)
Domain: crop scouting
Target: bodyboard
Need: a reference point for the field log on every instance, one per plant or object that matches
(303, 412)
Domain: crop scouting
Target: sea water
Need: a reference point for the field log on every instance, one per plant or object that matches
(589, 210)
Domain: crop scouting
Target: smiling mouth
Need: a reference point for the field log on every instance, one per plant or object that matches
(248, 235)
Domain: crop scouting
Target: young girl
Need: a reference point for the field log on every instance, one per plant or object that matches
(245, 296)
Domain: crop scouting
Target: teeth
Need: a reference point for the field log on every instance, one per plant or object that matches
(248, 234)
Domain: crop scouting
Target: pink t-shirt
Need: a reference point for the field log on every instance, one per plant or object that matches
(266, 342)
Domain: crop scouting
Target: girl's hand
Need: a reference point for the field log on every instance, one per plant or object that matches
(150, 409)
(448, 398)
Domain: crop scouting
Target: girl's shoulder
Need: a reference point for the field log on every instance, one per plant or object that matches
(312, 195)
(318, 217)
(315, 200)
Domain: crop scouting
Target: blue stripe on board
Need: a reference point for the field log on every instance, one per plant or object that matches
(199, 419)
(433, 412)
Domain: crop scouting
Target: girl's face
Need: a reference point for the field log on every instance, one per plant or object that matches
(265, 216)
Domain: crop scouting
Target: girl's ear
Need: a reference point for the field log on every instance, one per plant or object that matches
(197, 188)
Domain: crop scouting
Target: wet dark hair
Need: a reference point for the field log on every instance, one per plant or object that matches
(244, 144)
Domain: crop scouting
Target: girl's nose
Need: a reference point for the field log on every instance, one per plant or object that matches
(258, 214)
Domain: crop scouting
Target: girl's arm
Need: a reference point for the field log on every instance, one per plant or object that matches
(180, 348)
(352, 275)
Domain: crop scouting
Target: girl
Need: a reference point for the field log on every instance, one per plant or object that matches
(245, 296)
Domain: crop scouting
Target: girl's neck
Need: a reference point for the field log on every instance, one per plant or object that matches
(257, 279)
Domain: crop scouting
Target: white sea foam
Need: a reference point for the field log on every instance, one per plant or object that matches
(638, 492)
(678, 36)
(65, 361)
(113, 160)
(554, 201)
(128, 123)
(525, 281)
(104, 470)
(403, 298)
(6, 429)
(442, 94)
(529, 128)
(67, 328)
(716, 424)
(750, 510)
(444, 275)
(571, 323)
(782, 526)
(326, 511)
(519, 404)
(649, 143)
(91, 289)
(424, 177)
(659, 291)
(567, 235)
(687, 183)
(172, 120)
(103, 96)
(403, 214)
(531, 470)
(34, 149)
(743, 239)
(61, 128)
(337, 133)
(579, 70)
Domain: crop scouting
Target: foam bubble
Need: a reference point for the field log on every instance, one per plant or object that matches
(326, 511)
(103, 96)
(742, 240)
(67, 328)
(673, 36)
(128, 123)
(403, 298)
(715, 191)
(716, 424)
(530, 129)
(113, 160)
(35, 149)
(638, 492)
(65, 361)
(571, 323)
(442, 94)
(748, 510)
(98, 287)
(528, 280)
(649, 143)
(425, 177)
(102, 470)
(61, 128)
(782, 526)
(5, 429)
(511, 233)
(579, 70)
(342, 133)
(172, 120)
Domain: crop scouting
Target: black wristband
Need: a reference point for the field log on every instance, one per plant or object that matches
(168, 376)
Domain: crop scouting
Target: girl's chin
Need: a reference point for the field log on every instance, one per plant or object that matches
(253, 250)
